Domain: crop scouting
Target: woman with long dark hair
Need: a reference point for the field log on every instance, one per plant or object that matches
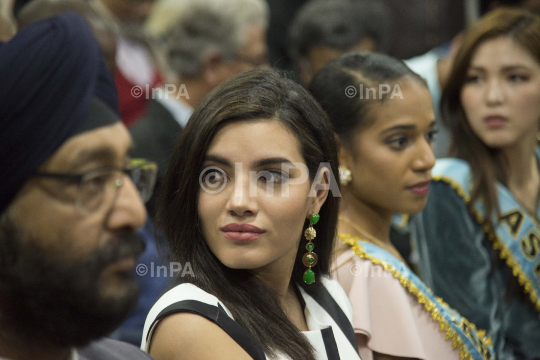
(478, 238)
(385, 130)
(250, 204)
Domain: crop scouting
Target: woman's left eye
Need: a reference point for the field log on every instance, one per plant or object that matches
(518, 78)
(398, 142)
(272, 176)
(430, 136)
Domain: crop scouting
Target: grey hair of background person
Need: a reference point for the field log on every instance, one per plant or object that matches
(190, 29)
(339, 24)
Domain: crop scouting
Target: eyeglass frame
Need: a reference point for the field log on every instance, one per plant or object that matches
(134, 164)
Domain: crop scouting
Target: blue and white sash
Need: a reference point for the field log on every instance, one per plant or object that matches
(472, 343)
(516, 234)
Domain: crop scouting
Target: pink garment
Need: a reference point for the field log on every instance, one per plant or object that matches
(387, 318)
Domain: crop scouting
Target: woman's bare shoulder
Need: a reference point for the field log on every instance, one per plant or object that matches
(190, 336)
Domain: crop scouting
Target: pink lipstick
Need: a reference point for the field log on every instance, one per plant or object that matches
(241, 232)
(495, 121)
(420, 189)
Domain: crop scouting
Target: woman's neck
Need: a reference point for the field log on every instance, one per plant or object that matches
(278, 280)
(277, 277)
(523, 174)
(374, 221)
(521, 162)
(367, 222)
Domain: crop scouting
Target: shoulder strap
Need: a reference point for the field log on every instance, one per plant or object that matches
(217, 315)
(321, 295)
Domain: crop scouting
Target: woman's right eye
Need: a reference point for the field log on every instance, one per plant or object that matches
(473, 79)
(215, 176)
(398, 142)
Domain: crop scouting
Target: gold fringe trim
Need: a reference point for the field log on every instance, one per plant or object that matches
(498, 244)
(457, 342)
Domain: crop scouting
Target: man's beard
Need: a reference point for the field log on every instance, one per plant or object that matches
(50, 300)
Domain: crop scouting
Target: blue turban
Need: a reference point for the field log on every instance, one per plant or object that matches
(51, 73)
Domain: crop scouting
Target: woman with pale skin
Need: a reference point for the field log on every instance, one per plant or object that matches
(487, 266)
(248, 202)
(385, 157)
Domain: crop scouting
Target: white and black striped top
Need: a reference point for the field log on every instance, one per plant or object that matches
(328, 315)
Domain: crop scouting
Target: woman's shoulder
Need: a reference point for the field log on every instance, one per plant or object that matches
(185, 293)
(387, 318)
(358, 272)
(182, 298)
(186, 335)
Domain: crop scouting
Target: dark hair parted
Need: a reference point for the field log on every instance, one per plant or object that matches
(250, 96)
(354, 69)
(486, 164)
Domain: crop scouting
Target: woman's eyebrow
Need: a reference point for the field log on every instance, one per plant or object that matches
(218, 159)
(276, 160)
(399, 127)
(255, 164)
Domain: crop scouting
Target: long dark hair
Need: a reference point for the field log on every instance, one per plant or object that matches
(254, 95)
(486, 164)
(356, 69)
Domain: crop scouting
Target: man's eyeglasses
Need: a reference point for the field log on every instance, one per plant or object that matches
(97, 188)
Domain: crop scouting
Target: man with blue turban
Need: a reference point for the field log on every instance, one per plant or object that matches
(70, 198)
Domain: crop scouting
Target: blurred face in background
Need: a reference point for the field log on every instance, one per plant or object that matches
(318, 56)
(501, 93)
(253, 55)
(391, 158)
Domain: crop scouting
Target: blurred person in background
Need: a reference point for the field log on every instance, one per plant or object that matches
(70, 201)
(205, 43)
(322, 30)
(419, 26)
(386, 156)
(103, 31)
(478, 238)
(137, 61)
(435, 65)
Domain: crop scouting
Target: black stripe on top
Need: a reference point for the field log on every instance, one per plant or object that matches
(219, 317)
(329, 340)
(327, 302)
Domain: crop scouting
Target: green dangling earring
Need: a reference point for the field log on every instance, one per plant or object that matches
(310, 258)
